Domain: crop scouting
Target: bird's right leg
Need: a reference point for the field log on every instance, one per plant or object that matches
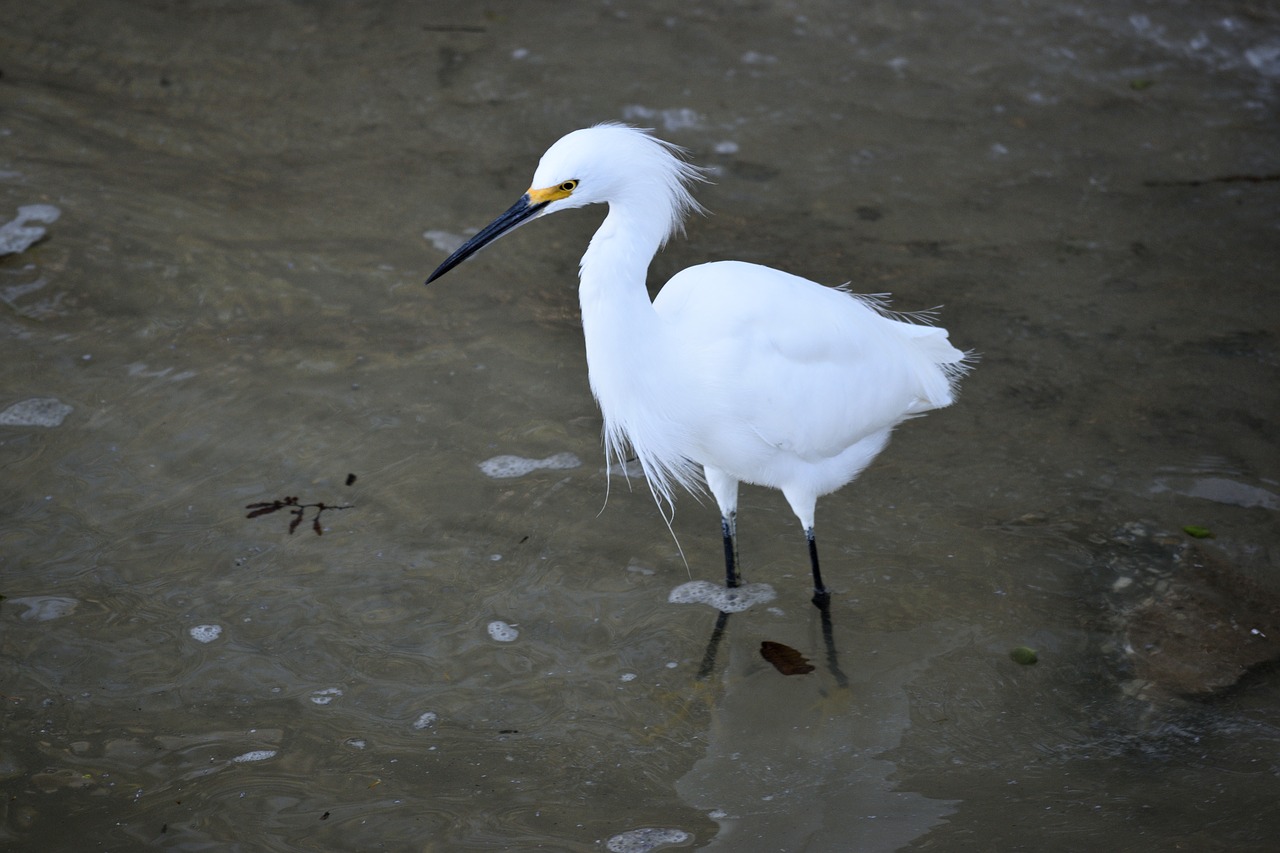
(725, 489)
(819, 588)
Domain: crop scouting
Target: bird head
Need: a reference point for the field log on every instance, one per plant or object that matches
(610, 163)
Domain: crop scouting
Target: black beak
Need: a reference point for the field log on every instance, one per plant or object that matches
(518, 214)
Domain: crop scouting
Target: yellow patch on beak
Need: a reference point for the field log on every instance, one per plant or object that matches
(559, 191)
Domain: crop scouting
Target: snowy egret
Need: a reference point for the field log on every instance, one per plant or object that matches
(745, 372)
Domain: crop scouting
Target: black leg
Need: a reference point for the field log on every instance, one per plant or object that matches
(823, 603)
(727, 527)
(713, 646)
(819, 589)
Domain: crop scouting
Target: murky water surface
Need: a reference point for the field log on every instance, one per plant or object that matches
(229, 310)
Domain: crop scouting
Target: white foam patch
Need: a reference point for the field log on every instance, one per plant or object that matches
(44, 608)
(426, 720)
(1265, 59)
(1221, 490)
(676, 118)
(502, 632)
(205, 633)
(17, 236)
(325, 696)
(255, 755)
(38, 411)
(505, 467)
(445, 241)
(720, 597)
(631, 469)
(644, 840)
(1227, 491)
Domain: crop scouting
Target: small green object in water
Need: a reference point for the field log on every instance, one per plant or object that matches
(1197, 531)
(1139, 85)
(1024, 655)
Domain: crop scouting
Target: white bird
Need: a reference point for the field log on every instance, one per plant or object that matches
(748, 373)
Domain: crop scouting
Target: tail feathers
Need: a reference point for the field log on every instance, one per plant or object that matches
(943, 367)
(940, 366)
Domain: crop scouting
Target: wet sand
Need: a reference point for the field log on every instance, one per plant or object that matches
(231, 305)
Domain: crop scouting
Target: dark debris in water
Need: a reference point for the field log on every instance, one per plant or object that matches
(1024, 655)
(785, 659)
(1217, 179)
(296, 508)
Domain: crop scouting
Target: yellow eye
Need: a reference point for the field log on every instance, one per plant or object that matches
(568, 186)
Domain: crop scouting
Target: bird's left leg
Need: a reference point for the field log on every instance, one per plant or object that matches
(823, 603)
(725, 490)
(804, 503)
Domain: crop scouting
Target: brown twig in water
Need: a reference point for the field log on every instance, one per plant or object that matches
(1221, 179)
(297, 510)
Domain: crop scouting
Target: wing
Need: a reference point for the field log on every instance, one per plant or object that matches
(808, 369)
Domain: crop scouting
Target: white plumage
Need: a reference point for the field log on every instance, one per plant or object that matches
(736, 372)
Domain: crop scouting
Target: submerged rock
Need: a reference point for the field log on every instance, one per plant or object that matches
(1205, 630)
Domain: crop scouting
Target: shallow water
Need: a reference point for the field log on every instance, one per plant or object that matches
(231, 305)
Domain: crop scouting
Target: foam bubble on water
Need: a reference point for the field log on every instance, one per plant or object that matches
(37, 411)
(675, 118)
(722, 598)
(205, 633)
(1221, 490)
(505, 467)
(426, 720)
(632, 469)
(18, 236)
(444, 240)
(255, 755)
(644, 840)
(325, 696)
(502, 632)
(1265, 58)
(44, 608)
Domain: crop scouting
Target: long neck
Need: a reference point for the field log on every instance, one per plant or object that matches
(630, 359)
(617, 315)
